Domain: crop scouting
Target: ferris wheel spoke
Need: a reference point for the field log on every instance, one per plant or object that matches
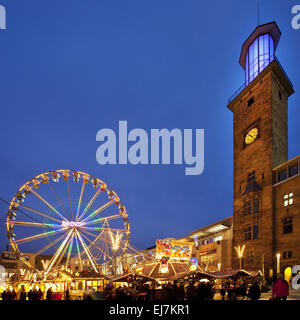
(65, 249)
(52, 243)
(101, 228)
(58, 252)
(39, 236)
(69, 197)
(80, 198)
(92, 243)
(70, 250)
(90, 233)
(40, 213)
(89, 204)
(86, 250)
(48, 204)
(106, 245)
(99, 255)
(78, 252)
(99, 210)
(115, 216)
(57, 197)
(37, 224)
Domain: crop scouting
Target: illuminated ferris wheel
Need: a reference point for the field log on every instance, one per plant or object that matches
(67, 214)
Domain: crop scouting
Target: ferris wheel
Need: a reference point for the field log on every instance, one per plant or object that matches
(67, 214)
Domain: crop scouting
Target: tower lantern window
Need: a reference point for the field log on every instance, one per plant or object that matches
(259, 56)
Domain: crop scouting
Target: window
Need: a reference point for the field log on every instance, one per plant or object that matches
(288, 199)
(288, 225)
(255, 231)
(287, 255)
(251, 176)
(248, 208)
(293, 171)
(247, 233)
(260, 54)
(208, 259)
(282, 176)
(279, 95)
(250, 102)
(251, 206)
(255, 206)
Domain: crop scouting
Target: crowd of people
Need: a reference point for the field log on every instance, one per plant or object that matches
(191, 290)
(32, 294)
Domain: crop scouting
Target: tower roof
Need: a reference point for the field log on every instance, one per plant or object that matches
(271, 28)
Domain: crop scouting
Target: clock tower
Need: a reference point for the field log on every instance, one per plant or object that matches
(260, 126)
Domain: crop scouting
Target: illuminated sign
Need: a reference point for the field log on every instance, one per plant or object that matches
(207, 247)
(204, 253)
(72, 224)
(173, 249)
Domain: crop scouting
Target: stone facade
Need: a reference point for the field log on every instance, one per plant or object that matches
(261, 105)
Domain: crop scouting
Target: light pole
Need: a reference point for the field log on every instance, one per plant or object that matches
(240, 252)
(278, 262)
(115, 259)
(263, 265)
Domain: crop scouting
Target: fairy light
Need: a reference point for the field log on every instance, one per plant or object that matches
(115, 240)
(240, 253)
(45, 263)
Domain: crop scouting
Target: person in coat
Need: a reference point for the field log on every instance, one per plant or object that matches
(22, 293)
(254, 292)
(49, 294)
(280, 289)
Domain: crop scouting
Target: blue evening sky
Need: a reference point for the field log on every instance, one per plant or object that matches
(71, 67)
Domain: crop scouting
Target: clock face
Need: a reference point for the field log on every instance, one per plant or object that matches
(251, 135)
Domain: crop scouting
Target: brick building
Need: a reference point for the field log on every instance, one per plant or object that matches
(266, 217)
